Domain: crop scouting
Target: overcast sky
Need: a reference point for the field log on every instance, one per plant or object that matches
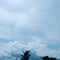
(30, 24)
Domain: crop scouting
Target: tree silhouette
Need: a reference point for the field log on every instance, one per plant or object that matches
(45, 58)
(52, 58)
(26, 55)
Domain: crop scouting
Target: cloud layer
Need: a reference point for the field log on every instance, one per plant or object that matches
(32, 22)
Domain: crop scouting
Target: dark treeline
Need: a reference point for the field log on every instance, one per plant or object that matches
(48, 58)
(26, 56)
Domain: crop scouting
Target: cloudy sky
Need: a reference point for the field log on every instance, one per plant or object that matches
(30, 24)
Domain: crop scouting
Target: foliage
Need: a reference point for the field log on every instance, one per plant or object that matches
(26, 55)
(48, 58)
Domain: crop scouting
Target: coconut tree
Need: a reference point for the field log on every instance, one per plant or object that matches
(26, 55)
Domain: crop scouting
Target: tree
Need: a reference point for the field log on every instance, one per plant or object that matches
(53, 58)
(26, 55)
(46, 58)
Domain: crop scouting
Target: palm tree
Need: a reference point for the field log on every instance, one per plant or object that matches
(26, 55)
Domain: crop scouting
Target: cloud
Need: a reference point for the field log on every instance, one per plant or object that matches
(20, 20)
(17, 47)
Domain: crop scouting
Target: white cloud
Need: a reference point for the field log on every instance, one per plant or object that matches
(17, 47)
(4, 33)
(21, 19)
(32, 20)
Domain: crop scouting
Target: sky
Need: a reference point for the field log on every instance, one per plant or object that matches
(30, 25)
